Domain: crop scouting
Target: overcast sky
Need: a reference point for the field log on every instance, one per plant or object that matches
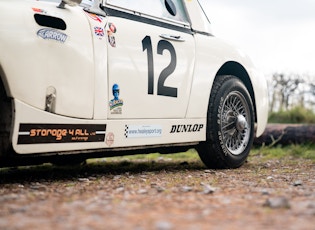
(279, 35)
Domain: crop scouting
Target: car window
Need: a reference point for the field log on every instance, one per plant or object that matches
(180, 11)
(87, 3)
(152, 7)
(167, 9)
(202, 4)
(84, 3)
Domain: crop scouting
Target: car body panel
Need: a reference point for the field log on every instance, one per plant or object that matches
(65, 64)
(99, 52)
(97, 26)
(128, 67)
(33, 134)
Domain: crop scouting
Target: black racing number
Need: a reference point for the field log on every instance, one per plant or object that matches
(162, 90)
(147, 45)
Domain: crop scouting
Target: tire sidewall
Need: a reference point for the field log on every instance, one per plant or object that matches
(233, 84)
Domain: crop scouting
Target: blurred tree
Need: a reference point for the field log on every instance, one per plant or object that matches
(285, 90)
(312, 92)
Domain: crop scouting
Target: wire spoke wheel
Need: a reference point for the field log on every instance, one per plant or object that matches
(230, 124)
(235, 120)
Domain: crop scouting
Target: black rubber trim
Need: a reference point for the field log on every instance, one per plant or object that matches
(138, 18)
(203, 33)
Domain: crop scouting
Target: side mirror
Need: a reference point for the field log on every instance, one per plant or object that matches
(69, 2)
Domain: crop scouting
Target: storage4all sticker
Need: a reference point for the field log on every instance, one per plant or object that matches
(60, 133)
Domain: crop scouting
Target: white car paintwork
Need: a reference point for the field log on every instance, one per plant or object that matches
(127, 65)
(68, 66)
(84, 68)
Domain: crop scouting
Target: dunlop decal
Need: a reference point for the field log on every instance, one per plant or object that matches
(186, 128)
(60, 133)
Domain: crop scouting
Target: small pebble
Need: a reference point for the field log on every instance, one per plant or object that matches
(264, 192)
(186, 189)
(208, 189)
(163, 225)
(83, 180)
(277, 202)
(142, 191)
(298, 183)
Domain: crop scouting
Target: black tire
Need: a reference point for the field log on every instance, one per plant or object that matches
(5, 122)
(230, 125)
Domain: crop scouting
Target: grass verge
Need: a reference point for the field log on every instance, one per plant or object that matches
(305, 151)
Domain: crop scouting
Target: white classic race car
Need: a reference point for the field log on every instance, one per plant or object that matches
(115, 77)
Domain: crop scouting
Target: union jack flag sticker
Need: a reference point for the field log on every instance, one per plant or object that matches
(99, 31)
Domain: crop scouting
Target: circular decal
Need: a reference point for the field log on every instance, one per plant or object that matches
(112, 27)
(110, 139)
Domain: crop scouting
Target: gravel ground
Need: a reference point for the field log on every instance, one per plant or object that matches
(162, 194)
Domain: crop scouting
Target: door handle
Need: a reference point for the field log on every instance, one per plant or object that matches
(172, 37)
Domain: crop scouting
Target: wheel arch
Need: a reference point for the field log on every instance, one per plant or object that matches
(6, 116)
(3, 83)
(237, 70)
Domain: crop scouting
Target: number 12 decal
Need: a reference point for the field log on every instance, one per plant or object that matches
(162, 90)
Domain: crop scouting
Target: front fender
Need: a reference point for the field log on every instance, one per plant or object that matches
(43, 46)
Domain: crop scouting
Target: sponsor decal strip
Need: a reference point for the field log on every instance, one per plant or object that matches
(186, 128)
(52, 34)
(143, 131)
(60, 133)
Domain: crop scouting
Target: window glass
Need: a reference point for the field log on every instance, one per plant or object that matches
(169, 9)
(152, 7)
(87, 3)
(180, 10)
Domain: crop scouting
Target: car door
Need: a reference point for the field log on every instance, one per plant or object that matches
(58, 59)
(151, 54)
